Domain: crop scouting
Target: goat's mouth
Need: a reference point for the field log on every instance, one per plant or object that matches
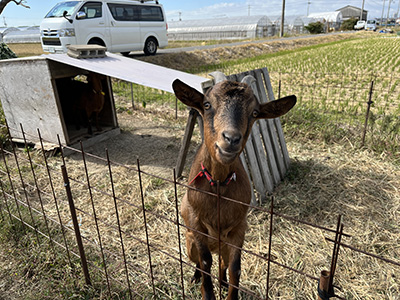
(226, 156)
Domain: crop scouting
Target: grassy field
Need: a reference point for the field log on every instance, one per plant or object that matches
(330, 175)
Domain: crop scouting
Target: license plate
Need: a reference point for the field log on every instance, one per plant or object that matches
(52, 49)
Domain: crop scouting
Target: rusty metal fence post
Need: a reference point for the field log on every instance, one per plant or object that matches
(367, 113)
(76, 225)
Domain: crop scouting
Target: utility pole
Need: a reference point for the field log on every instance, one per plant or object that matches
(282, 18)
(180, 14)
(308, 7)
(387, 18)
(362, 11)
(4, 20)
(248, 10)
(383, 8)
(398, 8)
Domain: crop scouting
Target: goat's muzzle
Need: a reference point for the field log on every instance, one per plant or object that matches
(229, 146)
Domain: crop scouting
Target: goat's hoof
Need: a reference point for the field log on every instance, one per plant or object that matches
(196, 277)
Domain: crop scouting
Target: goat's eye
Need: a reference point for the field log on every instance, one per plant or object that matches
(207, 105)
(255, 114)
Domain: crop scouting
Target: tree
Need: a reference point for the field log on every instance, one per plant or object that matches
(349, 24)
(315, 27)
(3, 4)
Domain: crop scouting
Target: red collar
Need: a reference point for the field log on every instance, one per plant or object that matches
(213, 182)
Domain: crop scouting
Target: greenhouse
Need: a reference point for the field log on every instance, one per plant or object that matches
(292, 25)
(20, 35)
(333, 19)
(223, 28)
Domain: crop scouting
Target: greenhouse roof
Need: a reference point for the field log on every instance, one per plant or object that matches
(333, 16)
(243, 20)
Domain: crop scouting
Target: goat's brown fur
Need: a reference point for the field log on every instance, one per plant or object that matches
(91, 100)
(229, 110)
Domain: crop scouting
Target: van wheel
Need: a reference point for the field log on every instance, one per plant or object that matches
(150, 46)
(125, 53)
(96, 41)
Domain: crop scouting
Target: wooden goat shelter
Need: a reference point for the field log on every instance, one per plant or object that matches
(36, 92)
(39, 93)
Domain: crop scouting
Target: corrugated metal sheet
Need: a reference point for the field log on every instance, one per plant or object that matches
(132, 70)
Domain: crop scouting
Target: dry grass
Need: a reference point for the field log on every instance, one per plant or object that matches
(26, 49)
(323, 182)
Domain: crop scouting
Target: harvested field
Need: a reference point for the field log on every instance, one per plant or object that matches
(325, 180)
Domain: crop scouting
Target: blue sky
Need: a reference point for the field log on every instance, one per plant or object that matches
(19, 16)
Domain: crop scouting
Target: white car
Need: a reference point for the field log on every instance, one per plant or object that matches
(371, 25)
(360, 25)
(120, 25)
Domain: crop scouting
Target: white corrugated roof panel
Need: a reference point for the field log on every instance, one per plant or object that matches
(132, 70)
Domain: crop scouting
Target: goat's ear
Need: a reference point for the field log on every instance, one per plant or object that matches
(277, 108)
(188, 95)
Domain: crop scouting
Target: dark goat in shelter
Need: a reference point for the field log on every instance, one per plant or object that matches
(90, 100)
(229, 110)
(82, 102)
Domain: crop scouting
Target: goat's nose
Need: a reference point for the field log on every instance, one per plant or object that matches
(232, 137)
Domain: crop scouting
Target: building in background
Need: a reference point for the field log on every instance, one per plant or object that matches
(349, 12)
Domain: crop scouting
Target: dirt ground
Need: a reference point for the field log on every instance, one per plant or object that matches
(152, 134)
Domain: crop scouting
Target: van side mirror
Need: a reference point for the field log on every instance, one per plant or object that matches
(65, 16)
(81, 15)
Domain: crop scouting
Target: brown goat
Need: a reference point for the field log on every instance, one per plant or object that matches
(229, 110)
(90, 100)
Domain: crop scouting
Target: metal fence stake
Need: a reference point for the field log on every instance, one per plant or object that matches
(28, 152)
(95, 219)
(132, 99)
(219, 238)
(12, 187)
(76, 225)
(55, 199)
(179, 234)
(145, 227)
(367, 113)
(119, 224)
(270, 244)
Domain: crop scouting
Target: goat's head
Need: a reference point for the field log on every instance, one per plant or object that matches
(95, 81)
(229, 110)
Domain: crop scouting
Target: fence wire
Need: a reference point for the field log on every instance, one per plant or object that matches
(124, 225)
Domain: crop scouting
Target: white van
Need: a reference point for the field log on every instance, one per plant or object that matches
(120, 25)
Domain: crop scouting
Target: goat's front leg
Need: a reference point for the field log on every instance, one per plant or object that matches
(205, 262)
(235, 254)
(98, 127)
(234, 274)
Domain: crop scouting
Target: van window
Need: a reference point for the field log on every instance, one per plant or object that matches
(58, 10)
(92, 10)
(127, 12)
(151, 13)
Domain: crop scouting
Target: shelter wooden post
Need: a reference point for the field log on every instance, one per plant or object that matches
(186, 141)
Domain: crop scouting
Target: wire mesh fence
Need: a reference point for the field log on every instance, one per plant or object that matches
(363, 108)
(124, 225)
